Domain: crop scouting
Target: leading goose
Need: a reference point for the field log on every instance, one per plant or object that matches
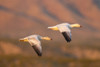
(64, 28)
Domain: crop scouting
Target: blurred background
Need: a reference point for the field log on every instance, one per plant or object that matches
(21, 18)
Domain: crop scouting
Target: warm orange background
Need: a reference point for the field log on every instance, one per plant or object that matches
(20, 18)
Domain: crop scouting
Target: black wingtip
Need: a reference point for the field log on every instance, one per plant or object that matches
(39, 54)
(37, 51)
(67, 38)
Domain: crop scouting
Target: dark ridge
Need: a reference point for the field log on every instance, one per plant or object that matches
(86, 25)
(75, 10)
(68, 39)
(91, 28)
(44, 10)
(72, 8)
(97, 3)
(22, 14)
(49, 14)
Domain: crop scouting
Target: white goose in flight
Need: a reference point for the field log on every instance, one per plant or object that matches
(34, 41)
(64, 28)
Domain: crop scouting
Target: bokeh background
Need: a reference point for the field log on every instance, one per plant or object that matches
(21, 18)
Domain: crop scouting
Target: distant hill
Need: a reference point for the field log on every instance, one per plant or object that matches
(24, 17)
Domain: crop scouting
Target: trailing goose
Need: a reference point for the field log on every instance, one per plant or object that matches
(34, 41)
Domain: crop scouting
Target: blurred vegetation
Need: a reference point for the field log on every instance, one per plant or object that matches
(31, 61)
(57, 58)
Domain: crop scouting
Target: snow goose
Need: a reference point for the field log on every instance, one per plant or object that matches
(34, 41)
(64, 28)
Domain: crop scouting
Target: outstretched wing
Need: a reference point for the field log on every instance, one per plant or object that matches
(36, 45)
(65, 32)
